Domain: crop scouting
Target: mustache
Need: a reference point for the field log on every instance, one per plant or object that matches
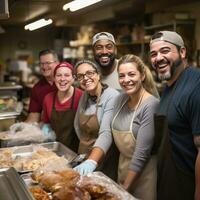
(106, 55)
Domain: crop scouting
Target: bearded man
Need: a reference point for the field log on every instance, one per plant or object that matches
(177, 124)
(105, 53)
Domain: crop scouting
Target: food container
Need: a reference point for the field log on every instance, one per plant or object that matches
(28, 151)
(12, 186)
(14, 136)
(111, 186)
(93, 178)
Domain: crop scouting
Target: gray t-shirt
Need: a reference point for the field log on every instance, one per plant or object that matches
(143, 128)
(112, 80)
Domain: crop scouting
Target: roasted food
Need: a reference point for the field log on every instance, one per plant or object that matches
(70, 176)
(95, 190)
(6, 160)
(41, 158)
(39, 193)
(51, 181)
(71, 193)
(108, 196)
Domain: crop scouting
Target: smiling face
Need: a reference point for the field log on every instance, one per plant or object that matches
(47, 65)
(166, 58)
(104, 53)
(63, 79)
(88, 78)
(130, 78)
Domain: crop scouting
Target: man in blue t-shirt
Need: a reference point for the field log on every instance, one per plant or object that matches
(179, 144)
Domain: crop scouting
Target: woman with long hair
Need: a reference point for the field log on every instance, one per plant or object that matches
(133, 128)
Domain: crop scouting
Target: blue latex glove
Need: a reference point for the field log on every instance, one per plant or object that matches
(86, 167)
(46, 128)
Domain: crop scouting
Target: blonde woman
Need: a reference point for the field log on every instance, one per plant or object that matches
(133, 128)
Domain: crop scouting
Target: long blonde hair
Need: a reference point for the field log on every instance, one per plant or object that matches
(148, 83)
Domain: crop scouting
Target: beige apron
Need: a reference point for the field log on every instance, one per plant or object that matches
(145, 186)
(89, 127)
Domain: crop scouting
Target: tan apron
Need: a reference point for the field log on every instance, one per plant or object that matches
(62, 124)
(145, 186)
(89, 126)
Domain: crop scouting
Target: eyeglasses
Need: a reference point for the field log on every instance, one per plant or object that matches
(46, 63)
(89, 74)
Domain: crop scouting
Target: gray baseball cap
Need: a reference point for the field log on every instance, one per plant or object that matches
(168, 36)
(103, 36)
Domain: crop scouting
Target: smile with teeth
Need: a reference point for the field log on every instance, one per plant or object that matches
(104, 58)
(62, 84)
(88, 83)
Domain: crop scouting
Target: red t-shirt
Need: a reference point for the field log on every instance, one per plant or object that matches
(48, 104)
(38, 92)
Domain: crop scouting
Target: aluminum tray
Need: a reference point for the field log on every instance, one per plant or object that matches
(12, 186)
(28, 150)
(113, 187)
(95, 178)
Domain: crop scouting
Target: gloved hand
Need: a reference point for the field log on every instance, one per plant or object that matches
(86, 167)
(48, 133)
(46, 128)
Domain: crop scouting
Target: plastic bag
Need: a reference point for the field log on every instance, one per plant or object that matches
(26, 133)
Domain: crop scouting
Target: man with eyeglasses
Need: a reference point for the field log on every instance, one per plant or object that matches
(105, 53)
(48, 60)
(177, 123)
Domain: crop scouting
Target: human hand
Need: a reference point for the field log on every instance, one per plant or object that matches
(46, 129)
(86, 167)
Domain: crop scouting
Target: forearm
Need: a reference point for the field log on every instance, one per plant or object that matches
(131, 177)
(96, 154)
(33, 117)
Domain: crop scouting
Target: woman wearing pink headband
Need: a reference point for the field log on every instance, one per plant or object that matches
(60, 107)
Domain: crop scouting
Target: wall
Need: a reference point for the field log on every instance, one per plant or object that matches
(16, 39)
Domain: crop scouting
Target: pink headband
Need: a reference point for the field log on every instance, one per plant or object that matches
(63, 64)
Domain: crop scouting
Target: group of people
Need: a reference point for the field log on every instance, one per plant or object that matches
(149, 145)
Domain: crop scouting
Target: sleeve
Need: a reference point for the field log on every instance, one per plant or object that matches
(34, 105)
(192, 114)
(145, 137)
(105, 136)
(47, 108)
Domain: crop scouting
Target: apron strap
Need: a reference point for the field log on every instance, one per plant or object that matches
(72, 100)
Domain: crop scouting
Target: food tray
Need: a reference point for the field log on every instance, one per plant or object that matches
(12, 186)
(113, 187)
(25, 151)
(94, 178)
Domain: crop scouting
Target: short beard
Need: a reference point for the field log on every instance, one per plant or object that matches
(167, 76)
(105, 65)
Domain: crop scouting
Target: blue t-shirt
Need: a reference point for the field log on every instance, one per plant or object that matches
(181, 103)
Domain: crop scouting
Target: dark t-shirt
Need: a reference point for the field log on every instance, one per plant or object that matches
(38, 92)
(181, 102)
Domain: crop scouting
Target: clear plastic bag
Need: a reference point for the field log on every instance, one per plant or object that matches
(26, 133)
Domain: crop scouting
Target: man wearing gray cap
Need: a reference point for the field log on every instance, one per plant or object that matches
(177, 123)
(105, 52)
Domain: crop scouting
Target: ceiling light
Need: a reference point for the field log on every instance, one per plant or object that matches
(79, 4)
(38, 24)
